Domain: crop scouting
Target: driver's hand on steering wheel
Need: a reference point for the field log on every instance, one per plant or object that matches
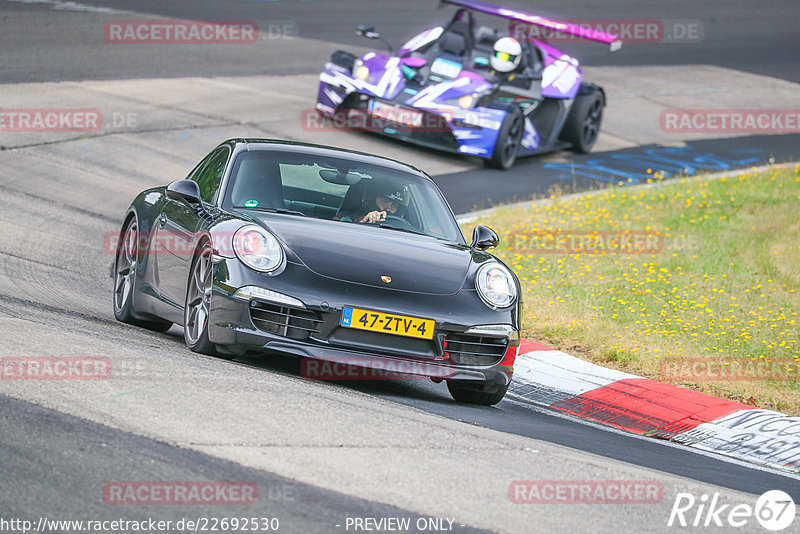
(374, 217)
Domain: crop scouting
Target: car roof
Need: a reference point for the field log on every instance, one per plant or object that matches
(251, 144)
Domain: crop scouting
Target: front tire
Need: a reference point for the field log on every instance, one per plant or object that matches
(508, 141)
(198, 299)
(480, 393)
(126, 262)
(583, 122)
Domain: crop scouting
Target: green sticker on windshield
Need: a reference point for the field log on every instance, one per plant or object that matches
(251, 203)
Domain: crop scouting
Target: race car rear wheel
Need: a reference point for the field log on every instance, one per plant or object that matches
(126, 262)
(480, 393)
(508, 140)
(583, 123)
(198, 302)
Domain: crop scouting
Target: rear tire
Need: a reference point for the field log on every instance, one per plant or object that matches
(508, 141)
(126, 263)
(481, 393)
(583, 122)
(198, 300)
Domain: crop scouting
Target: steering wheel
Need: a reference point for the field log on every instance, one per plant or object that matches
(397, 222)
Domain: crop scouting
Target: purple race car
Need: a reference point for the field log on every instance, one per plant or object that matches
(470, 89)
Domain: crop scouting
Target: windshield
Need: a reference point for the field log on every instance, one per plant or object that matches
(338, 189)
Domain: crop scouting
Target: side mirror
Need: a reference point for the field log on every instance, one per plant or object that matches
(184, 191)
(365, 30)
(484, 238)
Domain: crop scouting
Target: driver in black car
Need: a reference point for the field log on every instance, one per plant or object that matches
(380, 203)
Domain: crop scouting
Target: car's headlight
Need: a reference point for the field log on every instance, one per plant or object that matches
(360, 71)
(257, 248)
(466, 101)
(496, 285)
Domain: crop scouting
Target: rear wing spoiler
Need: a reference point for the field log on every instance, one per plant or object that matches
(614, 43)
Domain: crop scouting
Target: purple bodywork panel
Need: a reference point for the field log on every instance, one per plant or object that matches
(562, 76)
(414, 62)
(385, 73)
(474, 76)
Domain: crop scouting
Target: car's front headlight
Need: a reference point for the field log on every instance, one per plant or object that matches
(467, 101)
(496, 285)
(361, 71)
(257, 248)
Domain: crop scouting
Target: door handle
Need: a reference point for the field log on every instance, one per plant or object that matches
(162, 220)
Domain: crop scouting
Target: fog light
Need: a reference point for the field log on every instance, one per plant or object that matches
(497, 330)
(255, 292)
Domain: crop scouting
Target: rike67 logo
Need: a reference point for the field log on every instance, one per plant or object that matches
(774, 510)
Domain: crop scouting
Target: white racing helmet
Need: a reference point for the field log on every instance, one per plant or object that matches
(507, 54)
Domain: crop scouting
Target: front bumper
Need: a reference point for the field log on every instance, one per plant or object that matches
(261, 325)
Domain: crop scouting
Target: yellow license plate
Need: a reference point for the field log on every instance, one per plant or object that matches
(387, 323)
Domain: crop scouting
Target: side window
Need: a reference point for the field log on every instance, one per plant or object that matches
(208, 174)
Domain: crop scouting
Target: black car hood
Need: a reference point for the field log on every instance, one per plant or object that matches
(364, 254)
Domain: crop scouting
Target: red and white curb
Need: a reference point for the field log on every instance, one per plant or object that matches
(654, 409)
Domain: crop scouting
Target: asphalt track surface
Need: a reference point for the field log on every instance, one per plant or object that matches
(741, 34)
(63, 444)
(180, 416)
(478, 188)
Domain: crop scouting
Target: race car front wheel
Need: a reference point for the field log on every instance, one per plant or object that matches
(469, 392)
(583, 123)
(198, 302)
(508, 140)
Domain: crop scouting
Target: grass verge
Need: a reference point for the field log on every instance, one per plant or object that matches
(693, 281)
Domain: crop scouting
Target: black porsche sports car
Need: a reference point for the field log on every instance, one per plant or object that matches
(274, 246)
